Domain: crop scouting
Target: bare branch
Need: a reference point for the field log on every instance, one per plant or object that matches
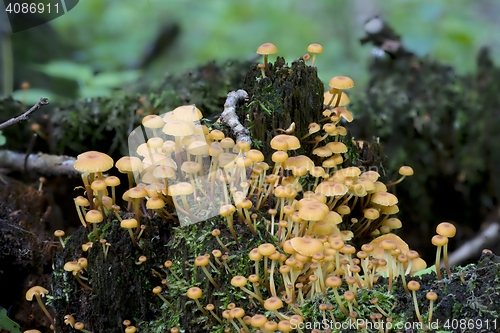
(230, 118)
(42, 164)
(473, 247)
(25, 116)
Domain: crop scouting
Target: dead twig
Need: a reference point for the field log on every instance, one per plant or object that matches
(25, 116)
(230, 118)
(473, 247)
(42, 164)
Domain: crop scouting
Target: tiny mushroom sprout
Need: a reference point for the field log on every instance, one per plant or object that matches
(274, 304)
(60, 234)
(79, 326)
(404, 171)
(431, 296)
(94, 216)
(414, 286)
(130, 224)
(195, 293)
(203, 261)
(314, 49)
(39, 292)
(439, 241)
(448, 230)
(266, 49)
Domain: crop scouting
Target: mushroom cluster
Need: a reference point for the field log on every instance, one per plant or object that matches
(325, 226)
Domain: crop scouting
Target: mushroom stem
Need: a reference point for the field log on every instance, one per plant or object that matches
(209, 276)
(77, 277)
(44, 309)
(445, 260)
(201, 308)
(167, 302)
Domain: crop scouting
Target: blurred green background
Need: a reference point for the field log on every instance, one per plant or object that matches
(98, 45)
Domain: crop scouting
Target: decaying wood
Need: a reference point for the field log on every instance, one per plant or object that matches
(43, 164)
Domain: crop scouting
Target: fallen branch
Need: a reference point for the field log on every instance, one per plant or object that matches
(473, 247)
(230, 118)
(42, 164)
(25, 116)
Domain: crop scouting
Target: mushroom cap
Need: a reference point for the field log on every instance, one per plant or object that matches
(393, 223)
(194, 293)
(239, 281)
(279, 143)
(266, 249)
(258, 320)
(226, 210)
(112, 181)
(153, 121)
(164, 171)
(36, 290)
(98, 185)
(82, 201)
(273, 304)
(344, 99)
(267, 48)
(137, 192)
(279, 156)
(227, 143)
(72, 266)
(344, 113)
(333, 218)
(130, 329)
(59, 233)
(322, 152)
(93, 161)
(182, 188)
(371, 213)
(155, 203)
(413, 285)
(315, 48)
(314, 211)
(331, 188)
(190, 167)
(178, 128)
(300, 160)
(333, 281)
(341, 82)
(129, 223)
(446, 229)
(187, 113)
(155, 143)
(129, 164)
(285, 326)
(337, 147)
(216, 135)
(313, 127)
(201, 261)
(406, 171)
(94, 216)
(431, 296)
(198, 148)
(306, 246)
(378, 251)
(255, 155)
(438, 240)
(384, 199)
(271, 326)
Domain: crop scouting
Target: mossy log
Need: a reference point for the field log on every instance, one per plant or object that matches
(294, 94)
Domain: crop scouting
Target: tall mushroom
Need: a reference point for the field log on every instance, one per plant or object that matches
(39, 292)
